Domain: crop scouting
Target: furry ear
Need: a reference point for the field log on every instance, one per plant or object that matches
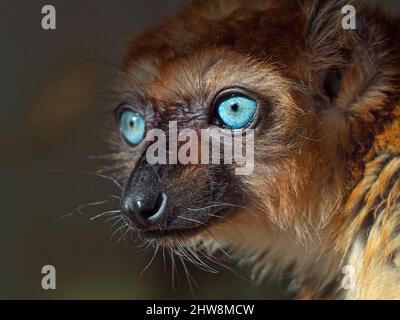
(354, 70)
(347, 64)
(327, 47)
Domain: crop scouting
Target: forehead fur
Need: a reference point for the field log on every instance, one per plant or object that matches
(201, 76)
(253, 29)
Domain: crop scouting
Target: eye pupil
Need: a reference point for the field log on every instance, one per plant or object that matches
(235, 107)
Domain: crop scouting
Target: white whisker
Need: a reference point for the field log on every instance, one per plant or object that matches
(192, 220)
(151, 260)
(107, 213)
(79, 209)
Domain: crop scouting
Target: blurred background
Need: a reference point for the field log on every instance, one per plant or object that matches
(51, 132)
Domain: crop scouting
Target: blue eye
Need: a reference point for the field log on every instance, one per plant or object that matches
(237, 112)
(132, 127)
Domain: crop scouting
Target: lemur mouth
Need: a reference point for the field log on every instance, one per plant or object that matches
(217, 217)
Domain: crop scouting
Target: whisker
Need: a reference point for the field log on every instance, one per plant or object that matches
(192, 220)
(173, 268)
(80, 208)
(164, 261)
(116, 222)
(222, 204)
(186, 250)
(151, 260)
(107, 213)
(117, 230)
(189, 277)
(113, 218)
(145, 246)
(123, 233)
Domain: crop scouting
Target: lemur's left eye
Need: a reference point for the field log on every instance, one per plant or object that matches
(236, 112)
(132, 126)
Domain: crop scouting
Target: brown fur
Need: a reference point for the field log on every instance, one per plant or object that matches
(325, 191)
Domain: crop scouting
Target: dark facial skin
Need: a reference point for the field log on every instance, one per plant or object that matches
(160, 200)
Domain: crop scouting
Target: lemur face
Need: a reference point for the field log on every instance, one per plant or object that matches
(228, 93)
(203, 70)
(182, 199)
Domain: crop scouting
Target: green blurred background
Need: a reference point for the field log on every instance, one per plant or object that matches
(51, 118)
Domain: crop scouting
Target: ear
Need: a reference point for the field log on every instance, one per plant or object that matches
(329, 83)
(327, 49)
(347, 65)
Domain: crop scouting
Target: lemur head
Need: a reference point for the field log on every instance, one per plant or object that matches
(286, 71)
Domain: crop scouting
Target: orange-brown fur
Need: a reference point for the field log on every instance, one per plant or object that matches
(327, 188)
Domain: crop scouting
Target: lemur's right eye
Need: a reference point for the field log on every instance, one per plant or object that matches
(132, 126)
(236, 111)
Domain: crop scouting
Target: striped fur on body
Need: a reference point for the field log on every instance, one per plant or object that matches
(372, 215)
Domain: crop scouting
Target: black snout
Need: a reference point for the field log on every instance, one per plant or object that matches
(144, 211)
(165, 200)
(144, 204)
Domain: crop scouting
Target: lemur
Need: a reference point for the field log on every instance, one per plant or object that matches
(323, 103)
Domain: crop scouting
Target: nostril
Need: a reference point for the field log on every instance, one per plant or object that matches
(144, 212)
(152, 215)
